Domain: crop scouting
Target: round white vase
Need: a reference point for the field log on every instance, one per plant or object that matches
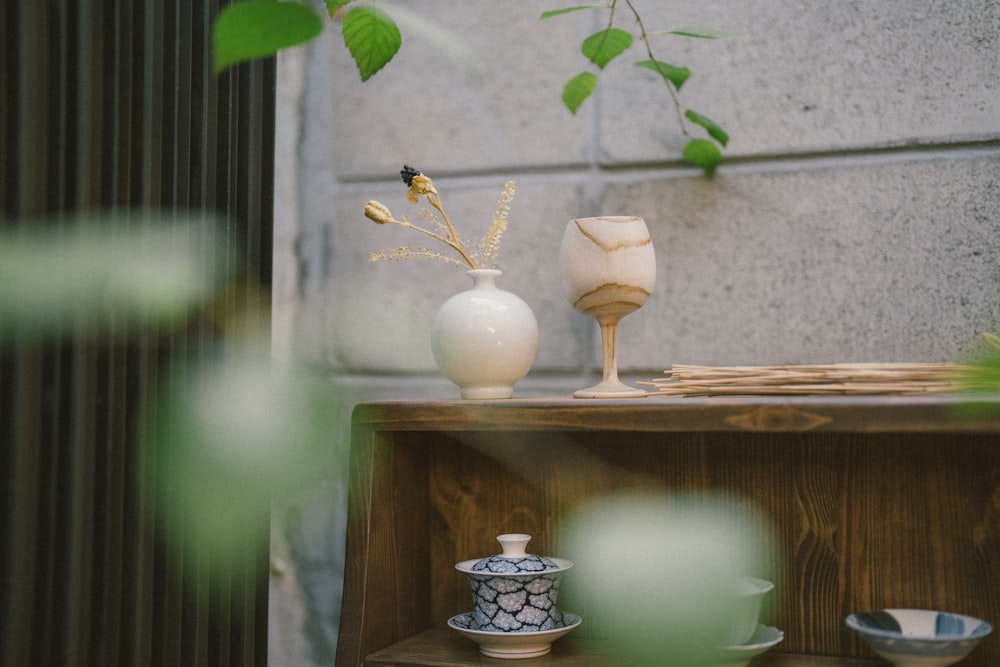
(485, 339)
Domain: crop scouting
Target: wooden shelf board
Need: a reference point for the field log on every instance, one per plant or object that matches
(446, 648)
(836, 414)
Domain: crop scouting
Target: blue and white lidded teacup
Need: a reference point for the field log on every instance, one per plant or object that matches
(515, 591)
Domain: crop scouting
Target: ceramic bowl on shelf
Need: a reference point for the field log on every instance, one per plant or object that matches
(919, 637)
(514, 644)
(763, 638)
(515, 592)
(745, 609)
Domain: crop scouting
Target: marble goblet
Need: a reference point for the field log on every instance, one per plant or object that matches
(609, 269)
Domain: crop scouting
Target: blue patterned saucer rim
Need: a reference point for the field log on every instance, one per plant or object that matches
(463, 623)
(948, 626)
(466, 566)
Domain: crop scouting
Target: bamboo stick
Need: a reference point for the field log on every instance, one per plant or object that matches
(843, 378)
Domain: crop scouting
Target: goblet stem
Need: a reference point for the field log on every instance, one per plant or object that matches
(609, 344)
(610, 386)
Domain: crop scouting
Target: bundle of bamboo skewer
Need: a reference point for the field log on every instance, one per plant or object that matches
(847, 378)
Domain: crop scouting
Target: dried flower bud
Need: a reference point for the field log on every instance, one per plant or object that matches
(423, 185)
(420, 185)
(378, 212)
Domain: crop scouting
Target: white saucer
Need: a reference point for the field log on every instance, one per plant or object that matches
(513, 644)
(764, 637)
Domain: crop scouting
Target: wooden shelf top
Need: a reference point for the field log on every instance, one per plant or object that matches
(446, 648)
(845, 414)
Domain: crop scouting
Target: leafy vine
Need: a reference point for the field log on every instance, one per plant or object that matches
(260, 28)
(605, 45)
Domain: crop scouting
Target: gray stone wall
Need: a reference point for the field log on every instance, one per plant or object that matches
(856, 216)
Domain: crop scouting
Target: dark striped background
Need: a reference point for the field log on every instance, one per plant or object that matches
(111, 106)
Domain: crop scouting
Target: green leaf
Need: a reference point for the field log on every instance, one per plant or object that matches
(333, 5)
(703, 153)
(710, 126)
(702, 33)
(372, 38)
(259, 29)
(602, 47)
(675, 75)
(567, 10)
(578, 89)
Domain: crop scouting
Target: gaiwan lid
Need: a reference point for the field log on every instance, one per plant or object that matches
(514, 559)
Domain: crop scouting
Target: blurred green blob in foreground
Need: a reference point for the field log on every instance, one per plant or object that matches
(103, 274)
(224, 430)
(657, 573)
(232, 434)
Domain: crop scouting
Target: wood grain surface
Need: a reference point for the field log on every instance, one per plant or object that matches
(446, 648)
(874, 503)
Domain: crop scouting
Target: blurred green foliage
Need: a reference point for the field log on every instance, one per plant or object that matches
(260, 28)
(658, 573)
(233, 432)
(228, 430)
(105, 273)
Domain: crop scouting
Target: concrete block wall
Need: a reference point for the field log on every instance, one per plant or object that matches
(856, 216)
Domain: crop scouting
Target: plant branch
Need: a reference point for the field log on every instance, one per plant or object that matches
(644, 37)
(435, 201)
(449, 242)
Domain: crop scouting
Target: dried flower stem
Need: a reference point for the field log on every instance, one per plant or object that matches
(491, 241)
(435, 201)
(421, 186)
(447, 241)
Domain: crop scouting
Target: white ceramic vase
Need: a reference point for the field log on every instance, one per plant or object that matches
(485, 339)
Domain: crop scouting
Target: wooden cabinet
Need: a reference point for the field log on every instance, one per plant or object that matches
(876, 502)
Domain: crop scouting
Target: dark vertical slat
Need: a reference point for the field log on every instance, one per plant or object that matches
(140, 575)
(183, 55)
(79, 503)
(50, 609)
(153, 107)
(22, 505)
(120, 52)
(80, 169)
(9, 80)
(209, 137)
(27, 128)
(169, 592)
(259, 214)
(198, 622)
(109, 589)
(9, 474)
(34, 108)
(88, 107)
(64, 41)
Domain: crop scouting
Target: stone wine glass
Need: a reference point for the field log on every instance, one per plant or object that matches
(608, 269)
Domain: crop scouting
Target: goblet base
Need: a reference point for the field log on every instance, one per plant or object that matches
(612, 388)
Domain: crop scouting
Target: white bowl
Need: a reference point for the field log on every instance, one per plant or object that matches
(919, 637)
(745, 609)
(513, 644)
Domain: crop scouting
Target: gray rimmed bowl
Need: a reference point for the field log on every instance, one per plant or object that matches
(919, 637)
